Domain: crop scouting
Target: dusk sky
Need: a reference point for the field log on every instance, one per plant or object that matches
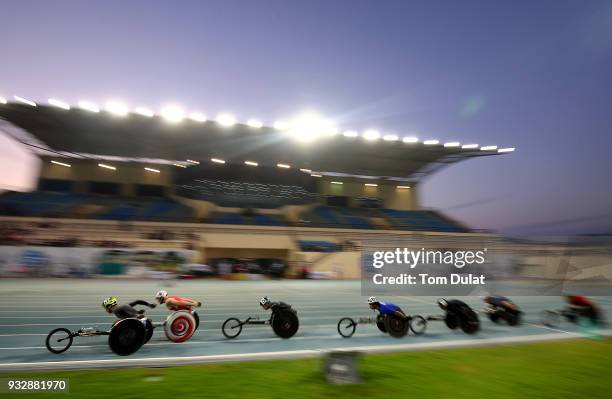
(535, 75)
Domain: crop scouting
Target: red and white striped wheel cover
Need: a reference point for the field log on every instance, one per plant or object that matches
(179, 326)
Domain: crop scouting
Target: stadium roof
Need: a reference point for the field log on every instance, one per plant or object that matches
(60, 130)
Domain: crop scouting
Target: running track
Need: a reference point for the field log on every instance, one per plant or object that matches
(31, 308)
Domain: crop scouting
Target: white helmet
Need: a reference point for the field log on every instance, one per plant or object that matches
(160, 295)
(264, 301)
(372, 300)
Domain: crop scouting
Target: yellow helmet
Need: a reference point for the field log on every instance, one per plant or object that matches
(110, 301)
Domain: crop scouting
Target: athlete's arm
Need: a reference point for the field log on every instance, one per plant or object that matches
(143, 303)
(185, 302)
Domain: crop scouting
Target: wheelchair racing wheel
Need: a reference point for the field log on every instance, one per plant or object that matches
(127, 336)
(346, 327)
(380, 323)
(58, 340)
(180, 326)
(451, 320)
(149, 331)
(285, 324)
(396, 326)
(197, 319)
(468, 321)
(231, 328)
(418, 324)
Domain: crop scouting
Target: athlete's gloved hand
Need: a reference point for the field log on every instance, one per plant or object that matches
(152, 306)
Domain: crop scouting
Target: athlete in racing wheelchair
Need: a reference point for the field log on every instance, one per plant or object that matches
(458, 314)
(284, 320)
(391, 319)
(501, 308)
(176, 303)
(578, 308)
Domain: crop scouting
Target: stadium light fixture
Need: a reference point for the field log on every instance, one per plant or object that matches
(431, 142)
(469, 146)
(88, 106)
(217, 160)
(305, 170)
(172, 113)
(316, 175)
(390, 137)
(371, 185)
(281, 125)
(283, 165)
(193, 162)
(152, 170)
(255, 123)
(402, 187)
(350, 133)
(198, 117)
(180, 165)
(61, 164)
(116, 108)
(337, 182)
(144, 112)
(251, 163)
(510, 149)
(58, 103)
(371, 135)
(105, 166)
(488, 148)
(226, 120)
(410, 139)
(308, 126)
(25, 101)
(3, 100)
(452, 144)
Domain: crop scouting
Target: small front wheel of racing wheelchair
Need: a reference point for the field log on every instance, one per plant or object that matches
(180, 326)
(418, 324)
(285, 323)
(231, 328)
(127, 336)
(59, 340)
(346, 327)
(396, 326)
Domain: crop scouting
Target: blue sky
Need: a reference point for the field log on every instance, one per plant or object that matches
(534, 75)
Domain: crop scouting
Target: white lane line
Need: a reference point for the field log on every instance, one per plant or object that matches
(247, 340)
(548, 328)
(175, 361)
(200, 330)
(204, 320)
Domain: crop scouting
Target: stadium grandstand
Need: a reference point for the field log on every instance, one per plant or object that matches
(112, 177)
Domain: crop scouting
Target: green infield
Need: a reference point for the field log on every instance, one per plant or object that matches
(568, 369)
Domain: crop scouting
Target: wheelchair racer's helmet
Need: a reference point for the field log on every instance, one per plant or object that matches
(372, 300)
(110, 301)
(264, 301)
(160, 295)
(442, 303)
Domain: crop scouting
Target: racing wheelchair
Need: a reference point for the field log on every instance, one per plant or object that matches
(284, 323)
(463, 317)
(125, 337)
(393, 325)
(553, 318)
